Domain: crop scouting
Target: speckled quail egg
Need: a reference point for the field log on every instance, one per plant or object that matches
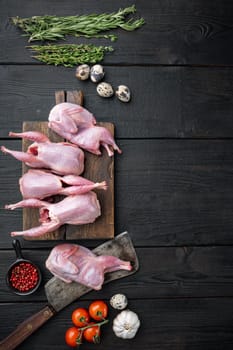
(123, 93)
(83, 72)
(119, 301)
(97, 73)
(105, 89)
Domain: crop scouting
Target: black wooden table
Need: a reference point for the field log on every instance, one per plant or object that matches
(173, 182)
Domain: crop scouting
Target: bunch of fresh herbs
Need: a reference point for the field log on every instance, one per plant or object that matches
(70, 55)
(57, 27)
(52, 28)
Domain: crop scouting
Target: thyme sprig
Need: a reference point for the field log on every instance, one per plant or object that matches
(69, 55)
(57, 27)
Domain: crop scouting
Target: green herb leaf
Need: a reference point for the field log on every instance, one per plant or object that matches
(70, 55)
(57, 27)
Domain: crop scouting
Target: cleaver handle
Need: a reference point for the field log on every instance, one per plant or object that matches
(26, 328)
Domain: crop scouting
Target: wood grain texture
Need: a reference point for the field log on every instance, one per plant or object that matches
(175, 33)
(97, 169)
(178, 102)
(173, 182)
(176, 272)
(26, 328)
(165, 324)
(60, 294)
(178, 192)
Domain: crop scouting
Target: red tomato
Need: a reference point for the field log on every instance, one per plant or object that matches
(73, 337)
(80, 317)
(98, 310)
(92, 334)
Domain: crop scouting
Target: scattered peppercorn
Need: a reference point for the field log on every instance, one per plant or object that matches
(24, 277)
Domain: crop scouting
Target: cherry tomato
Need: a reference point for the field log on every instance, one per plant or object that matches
(80, 317)
(98, 310)
(73, 337)
(92, 334)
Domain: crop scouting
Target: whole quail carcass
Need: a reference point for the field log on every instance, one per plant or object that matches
(71, 262)
(74, 210)
(77, 125)
(69, 117)
(62, 158)
(41, 184)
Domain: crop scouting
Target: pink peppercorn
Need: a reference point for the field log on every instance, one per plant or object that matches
(24, 277)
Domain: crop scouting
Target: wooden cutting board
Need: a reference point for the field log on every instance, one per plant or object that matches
(97, 168)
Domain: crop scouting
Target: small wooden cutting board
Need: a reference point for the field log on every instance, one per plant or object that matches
(97, 169)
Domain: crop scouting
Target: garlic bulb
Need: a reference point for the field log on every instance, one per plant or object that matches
(126, 324)
(119, 301)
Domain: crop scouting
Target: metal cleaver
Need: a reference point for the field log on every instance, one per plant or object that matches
(61, 294)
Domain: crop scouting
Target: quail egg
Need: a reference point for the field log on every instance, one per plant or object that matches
(105, 89)
(119, 301)
(123, 93)
(97, 73)
(83, 72)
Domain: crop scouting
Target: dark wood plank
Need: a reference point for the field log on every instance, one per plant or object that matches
(178, 102)
(204, 324)
(173, 181)
(180, 32)
(178, 192)
(164, 272)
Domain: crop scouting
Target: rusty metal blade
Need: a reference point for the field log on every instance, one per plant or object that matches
(61, 294)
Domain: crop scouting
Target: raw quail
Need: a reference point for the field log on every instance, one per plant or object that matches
(71, 262)
(91, 138)
(62, 158)
(75, 210)
(68, 117)
(41, 184)
(77, 125)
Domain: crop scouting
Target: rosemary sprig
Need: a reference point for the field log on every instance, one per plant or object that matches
(70, 55)
(57, 27)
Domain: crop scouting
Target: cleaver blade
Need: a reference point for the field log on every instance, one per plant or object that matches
(61, 294)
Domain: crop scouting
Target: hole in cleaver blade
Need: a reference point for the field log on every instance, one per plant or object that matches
(61, 294)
